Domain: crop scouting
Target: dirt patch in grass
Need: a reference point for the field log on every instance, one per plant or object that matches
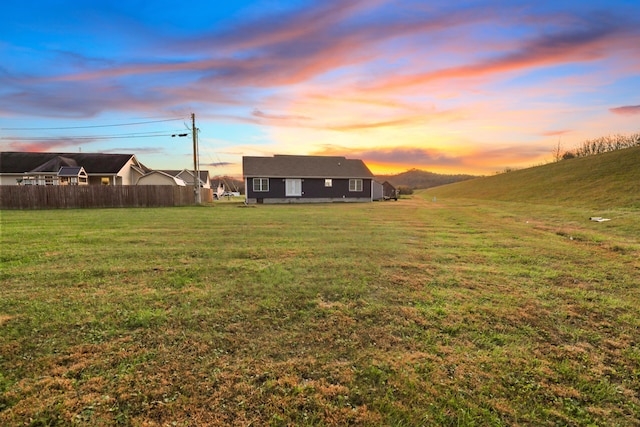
(4, 319)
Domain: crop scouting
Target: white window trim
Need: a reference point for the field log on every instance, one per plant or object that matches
(260, 188)
(355, 185)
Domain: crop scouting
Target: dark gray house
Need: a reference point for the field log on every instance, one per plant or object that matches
(306, 179)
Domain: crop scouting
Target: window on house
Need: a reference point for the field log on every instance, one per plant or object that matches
(328, 182)
(105, 181)
(260, 184)
(355, 185)
(48, 180)
(293, 187)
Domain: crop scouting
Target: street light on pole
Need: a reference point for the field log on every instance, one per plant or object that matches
(196, 169)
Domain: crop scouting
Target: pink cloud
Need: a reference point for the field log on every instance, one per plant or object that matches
(393, 155)
(582, 45)
(281, 50)
(351, 66)
(627, 110)
(270, 30)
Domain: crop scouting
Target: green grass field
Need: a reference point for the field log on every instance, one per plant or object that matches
(406, 313)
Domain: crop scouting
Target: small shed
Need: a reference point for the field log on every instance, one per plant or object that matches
(389, 191)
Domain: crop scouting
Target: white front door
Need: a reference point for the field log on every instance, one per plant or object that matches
(294, 187)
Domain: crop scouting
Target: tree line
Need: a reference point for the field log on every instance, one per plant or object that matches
(599, 145)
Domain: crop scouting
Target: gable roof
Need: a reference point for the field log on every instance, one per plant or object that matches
(175, 179)
(286, 166)
(71, 171)
(93, 163)
(204, 174)
(55, 164)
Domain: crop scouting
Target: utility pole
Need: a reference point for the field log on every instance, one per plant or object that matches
(196, 169)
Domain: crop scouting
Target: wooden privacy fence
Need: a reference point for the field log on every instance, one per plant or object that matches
(97, 196)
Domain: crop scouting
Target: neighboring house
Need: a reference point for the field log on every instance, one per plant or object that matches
(160, 178)
(306, 179)
(222, 190)
(25, 168)
(187, 177)
(219, 191)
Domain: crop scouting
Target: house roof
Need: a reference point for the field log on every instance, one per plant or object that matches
(204, 174)
(55, 164)
(172, 177)
(70, 171)
(93, 163)
(286, 166)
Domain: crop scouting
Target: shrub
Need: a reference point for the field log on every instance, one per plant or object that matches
(404, 190)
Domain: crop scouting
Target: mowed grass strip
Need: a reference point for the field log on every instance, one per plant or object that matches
(395, 313)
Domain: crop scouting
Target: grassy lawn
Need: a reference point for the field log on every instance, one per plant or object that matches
(405, 313)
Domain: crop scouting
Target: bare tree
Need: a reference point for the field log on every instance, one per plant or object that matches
(557, 152)
(605, 144)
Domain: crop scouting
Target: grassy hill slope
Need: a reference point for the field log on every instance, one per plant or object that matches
(602, 181)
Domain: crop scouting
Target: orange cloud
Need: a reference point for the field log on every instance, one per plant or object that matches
(555, 132)
(389, 160)
(373, 125)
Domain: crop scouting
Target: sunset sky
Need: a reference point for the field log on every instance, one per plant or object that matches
(445, 86)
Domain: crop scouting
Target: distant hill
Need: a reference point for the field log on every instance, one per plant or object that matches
(602, 181)
(418, 179)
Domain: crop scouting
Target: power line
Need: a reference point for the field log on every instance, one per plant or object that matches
(98, 126)
(94, 137)
(119, 135)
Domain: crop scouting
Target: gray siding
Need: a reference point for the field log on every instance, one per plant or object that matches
(313, 190)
